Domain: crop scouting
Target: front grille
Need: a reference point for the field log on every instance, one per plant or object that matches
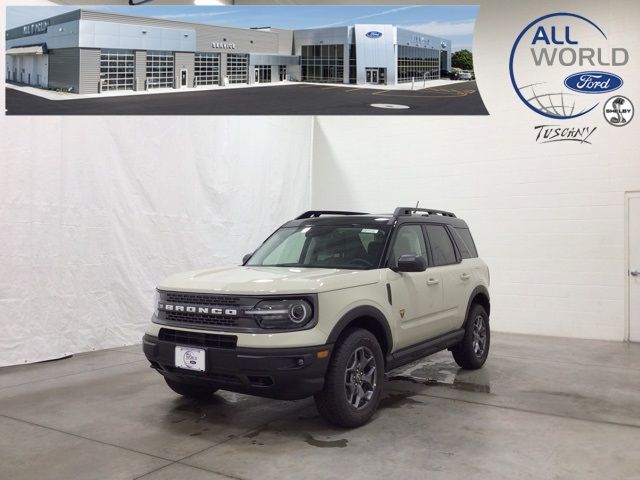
(200, 319)
(194, 299)
(197, 339)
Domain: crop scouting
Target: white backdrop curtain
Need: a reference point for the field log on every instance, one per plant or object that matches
(95, 211)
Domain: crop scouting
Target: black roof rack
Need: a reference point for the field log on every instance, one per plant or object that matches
(317, 213)
(404, 211)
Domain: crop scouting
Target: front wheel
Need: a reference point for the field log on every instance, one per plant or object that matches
(354, 379)
(472, 351)
(190, 390)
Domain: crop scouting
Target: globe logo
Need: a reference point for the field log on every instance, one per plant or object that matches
(547, 57)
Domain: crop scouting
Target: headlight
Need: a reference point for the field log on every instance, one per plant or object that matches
(156, 302)
(294, 313)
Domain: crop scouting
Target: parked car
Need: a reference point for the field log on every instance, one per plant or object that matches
(324, 307)
(466, 75)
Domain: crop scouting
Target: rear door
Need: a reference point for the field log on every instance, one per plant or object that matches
(417, 296)
(456, 277)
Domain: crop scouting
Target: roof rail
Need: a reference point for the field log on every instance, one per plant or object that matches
(404, 211)
(317, 213)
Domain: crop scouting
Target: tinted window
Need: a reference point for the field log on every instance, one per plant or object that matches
(409, 241)
(465, 242)
(441, 247)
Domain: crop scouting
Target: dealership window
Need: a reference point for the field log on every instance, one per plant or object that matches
(207, 68)
(282, 72)
(323, 63)
(237, 68)
(159, 69)
(116, 69)
(263, 73)
(417, 63)
(353, 75)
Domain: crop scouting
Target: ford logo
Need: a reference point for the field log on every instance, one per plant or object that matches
(374, 34)
(593, 82)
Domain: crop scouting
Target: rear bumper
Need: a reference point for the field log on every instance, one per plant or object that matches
(282, 373)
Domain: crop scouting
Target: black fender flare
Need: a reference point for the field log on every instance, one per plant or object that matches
(364, 311)
(482, 290)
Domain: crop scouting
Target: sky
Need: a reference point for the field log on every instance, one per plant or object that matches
(449, 21)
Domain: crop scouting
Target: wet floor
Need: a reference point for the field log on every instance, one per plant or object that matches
(542, 408)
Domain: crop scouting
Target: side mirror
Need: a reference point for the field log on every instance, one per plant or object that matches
(411, 263)
(246, 258)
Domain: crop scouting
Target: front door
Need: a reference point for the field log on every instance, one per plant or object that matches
(633, 265)
(183, 77)
(372, 75)
(417, 296)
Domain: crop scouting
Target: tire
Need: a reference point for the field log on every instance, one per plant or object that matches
(354, 379)
(472, 351)
(191, 390)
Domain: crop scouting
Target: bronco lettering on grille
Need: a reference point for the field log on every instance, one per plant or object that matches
(169, 307)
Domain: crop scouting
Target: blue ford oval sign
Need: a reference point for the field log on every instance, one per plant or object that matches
(593, 82)
(374, 34)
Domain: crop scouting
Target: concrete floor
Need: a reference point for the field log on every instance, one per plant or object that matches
(542, 408)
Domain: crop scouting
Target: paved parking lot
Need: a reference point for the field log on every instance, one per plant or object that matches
(300, 99)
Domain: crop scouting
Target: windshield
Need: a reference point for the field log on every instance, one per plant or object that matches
(323, 246)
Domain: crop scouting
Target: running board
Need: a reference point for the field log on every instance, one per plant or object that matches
(429, 347)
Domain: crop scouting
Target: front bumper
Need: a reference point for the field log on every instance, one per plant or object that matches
(282, 373)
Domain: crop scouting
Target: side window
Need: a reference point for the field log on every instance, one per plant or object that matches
(465, 242)
(442, 249)
(408, 241)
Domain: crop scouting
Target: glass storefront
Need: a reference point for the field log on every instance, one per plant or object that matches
(353, 75)
(263, 73)
(237, 68)
(323, 63)
(116, 69)
(417, 63)
(207, 68)
(159, 69)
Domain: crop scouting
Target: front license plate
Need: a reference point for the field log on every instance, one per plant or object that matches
(190, 358)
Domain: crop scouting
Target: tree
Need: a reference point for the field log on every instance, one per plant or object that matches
(462, 59)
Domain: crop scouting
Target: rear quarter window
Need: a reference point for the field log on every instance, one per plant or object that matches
(465, 243)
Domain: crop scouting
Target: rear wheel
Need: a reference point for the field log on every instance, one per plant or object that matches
(190, 390)
(353, 383)
(472, 351)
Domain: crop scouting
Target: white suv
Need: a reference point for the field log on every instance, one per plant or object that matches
(324, 307)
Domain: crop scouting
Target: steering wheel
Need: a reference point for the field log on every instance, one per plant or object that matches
(360, 261)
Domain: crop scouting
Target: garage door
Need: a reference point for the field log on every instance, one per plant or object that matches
(116, 69)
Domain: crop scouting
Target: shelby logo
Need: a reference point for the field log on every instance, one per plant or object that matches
(168, 307)
(593, 82)
(557, 133)
(373, 34)
(544, 60)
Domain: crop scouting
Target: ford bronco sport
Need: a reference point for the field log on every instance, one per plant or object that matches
(324, 307)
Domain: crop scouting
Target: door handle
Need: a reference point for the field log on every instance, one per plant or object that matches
(433, 281)
(635, 273)
(465, 276)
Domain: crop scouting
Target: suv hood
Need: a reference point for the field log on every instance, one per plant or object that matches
(238, 280)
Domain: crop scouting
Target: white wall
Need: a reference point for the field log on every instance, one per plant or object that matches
(547, 218)
(550, 225)
(95, 211)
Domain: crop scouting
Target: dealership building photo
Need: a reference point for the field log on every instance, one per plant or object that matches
(89, 52)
